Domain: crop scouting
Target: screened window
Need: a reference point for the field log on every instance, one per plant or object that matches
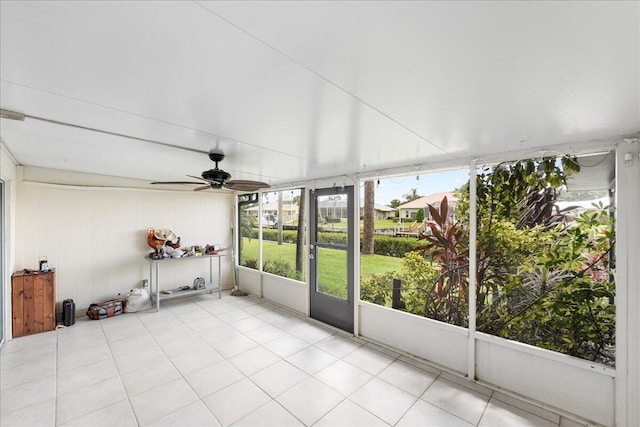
(283, 233)
(247, 230)
(427, 251)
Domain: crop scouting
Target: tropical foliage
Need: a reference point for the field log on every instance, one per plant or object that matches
(542, 275)
(418, 278)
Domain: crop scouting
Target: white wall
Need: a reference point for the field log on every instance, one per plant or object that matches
(281, 290)
(287, 292)
(8, 173)
(556, 380)
(96, 237)
(437, 342)
(250, 280)
(560, 382)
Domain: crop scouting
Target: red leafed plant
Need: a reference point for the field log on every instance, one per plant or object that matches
(446, 245)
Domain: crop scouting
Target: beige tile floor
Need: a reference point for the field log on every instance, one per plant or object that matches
(235, 361)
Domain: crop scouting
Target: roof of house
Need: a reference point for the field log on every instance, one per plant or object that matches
(428, 200)
(384, 208)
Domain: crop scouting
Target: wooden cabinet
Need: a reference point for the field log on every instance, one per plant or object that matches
(33, 300)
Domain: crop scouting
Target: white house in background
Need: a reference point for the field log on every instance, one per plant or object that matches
(381, 211)
(270, 212)
(410, 209)
(338, 209)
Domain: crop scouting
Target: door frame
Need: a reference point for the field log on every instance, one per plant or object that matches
(326, 308)
(3, 265)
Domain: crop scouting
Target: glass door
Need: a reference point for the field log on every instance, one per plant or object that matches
(331, 256)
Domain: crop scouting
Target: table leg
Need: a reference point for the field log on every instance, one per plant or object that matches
(211, 273)
(157, 287)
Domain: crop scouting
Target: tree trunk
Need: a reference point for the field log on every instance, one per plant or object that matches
(279, 217)
(369, 218)
(300, 237)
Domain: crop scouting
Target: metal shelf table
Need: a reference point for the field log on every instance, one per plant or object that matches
(210, 287)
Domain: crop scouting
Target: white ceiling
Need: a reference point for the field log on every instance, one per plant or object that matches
(292, 91)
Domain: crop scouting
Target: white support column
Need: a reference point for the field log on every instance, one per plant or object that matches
(307, 239)
(260, 216)
(627, 410)
(473, 229)
(356, 257)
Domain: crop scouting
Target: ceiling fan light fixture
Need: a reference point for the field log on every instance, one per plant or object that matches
(217, 175)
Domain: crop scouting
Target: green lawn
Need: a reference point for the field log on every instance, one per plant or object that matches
(333, 263)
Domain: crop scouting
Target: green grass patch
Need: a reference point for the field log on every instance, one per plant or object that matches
(333, 263)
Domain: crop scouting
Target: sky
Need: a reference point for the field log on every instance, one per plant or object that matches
(429, 183)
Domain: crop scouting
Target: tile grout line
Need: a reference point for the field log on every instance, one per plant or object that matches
(178, 370)
(376, 376)
(247, 377)
(436, 406)
(274, 398)
(365, 409)
(337, 391)
(182, 377)
(55, 392)
(178, 315)
(484, 410)
(119, 373)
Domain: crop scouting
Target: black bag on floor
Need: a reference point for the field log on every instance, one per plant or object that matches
(68, 312)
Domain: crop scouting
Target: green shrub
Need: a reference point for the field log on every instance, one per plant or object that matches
(271, 234)
(281, 268)
(377, 288)
(417, 276)
(419, 280)
(250, 263)
(333, 237)
(383, 245)
(393, 246)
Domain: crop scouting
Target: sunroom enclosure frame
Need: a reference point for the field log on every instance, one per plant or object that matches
(573, 387)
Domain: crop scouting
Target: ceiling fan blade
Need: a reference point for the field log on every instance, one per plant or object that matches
(176, 182)
(248, 182)
(245, 185)
(219, 179)
(198, 177)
